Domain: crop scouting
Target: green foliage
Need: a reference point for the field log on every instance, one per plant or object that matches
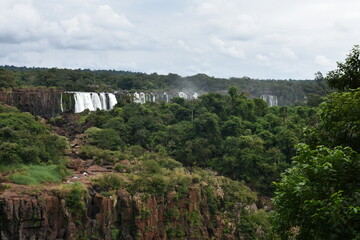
(287, 91)
(347, 75)
(339, 121)
(75, 195)
(108, 182)
(123, 168)
(255, 225)
(318, 198)
(7, 79)
(24, 140)
(100, 156)
(37, 174)
(105, 138)
(236, 136)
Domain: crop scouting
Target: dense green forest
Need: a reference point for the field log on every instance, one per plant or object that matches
(311, 152)
(238, 137)
(287, 91)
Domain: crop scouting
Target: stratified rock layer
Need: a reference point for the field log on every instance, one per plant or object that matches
(43, 215)
(42, 102)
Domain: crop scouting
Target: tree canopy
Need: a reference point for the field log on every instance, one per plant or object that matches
(347, 74)
(319, 197)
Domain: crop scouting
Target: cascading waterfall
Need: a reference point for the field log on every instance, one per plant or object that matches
(182, 95)
(137, 98)
(61, 103)
(270, 99)
(112, 101)
(103, 101)
(106, 101)
(96, 101)
(142, 98)
(93, 101)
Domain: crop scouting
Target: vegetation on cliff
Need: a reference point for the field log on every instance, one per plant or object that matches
(27, 149)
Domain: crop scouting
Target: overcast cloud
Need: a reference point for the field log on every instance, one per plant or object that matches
(276, 39)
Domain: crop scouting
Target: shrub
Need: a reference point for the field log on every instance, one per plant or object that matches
(123, 168)
(105, 139)
(108, 182)
(75, 195)
(100, 156)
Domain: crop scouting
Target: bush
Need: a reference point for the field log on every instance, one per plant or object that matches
(24, 140)
(123, 168)
(108, 182)
(100, 156)
(105, 139)
(75, 195)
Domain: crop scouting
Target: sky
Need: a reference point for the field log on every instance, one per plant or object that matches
(262, 39)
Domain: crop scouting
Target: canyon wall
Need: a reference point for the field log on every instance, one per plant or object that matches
(41, 215)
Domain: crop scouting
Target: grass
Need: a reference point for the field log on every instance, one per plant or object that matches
(37, 174)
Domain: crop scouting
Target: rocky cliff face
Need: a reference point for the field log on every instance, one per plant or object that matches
(43, 214)
(42, 102)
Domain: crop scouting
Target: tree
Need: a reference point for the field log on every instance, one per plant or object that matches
(318, 198)
(347, 75)
(339, 121)
(7, 79)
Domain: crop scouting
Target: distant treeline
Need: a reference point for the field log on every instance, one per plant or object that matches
(287, 91)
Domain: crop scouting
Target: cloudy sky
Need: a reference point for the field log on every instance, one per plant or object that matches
(276, 39)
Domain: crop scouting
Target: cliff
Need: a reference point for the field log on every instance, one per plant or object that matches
(44, 214)
(42, 102)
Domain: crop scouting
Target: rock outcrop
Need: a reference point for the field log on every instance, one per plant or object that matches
(43, 214)
(42, 102)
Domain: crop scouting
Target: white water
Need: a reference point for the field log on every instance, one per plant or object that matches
(270, 99)
(137, 98)
(182, 95)
(103, 101)
(61, 103)
(93, 101)
(96, 101)
(142, 98)
(112, 101)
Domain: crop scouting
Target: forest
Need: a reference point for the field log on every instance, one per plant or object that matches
(305, 156)
(288, 91)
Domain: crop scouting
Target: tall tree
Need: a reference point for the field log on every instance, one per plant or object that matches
(347, 75)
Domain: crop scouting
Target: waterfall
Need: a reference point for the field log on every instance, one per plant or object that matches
(166, 97)
(182, 95)
(112, 101)
(142, 98)
(96, 101)
(103, 101)
(93, 101)
(270, 99)
(137, 98)
(61, 103)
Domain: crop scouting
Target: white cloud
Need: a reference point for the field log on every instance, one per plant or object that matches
(260, 39)
(227, 48)
(323, 61)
